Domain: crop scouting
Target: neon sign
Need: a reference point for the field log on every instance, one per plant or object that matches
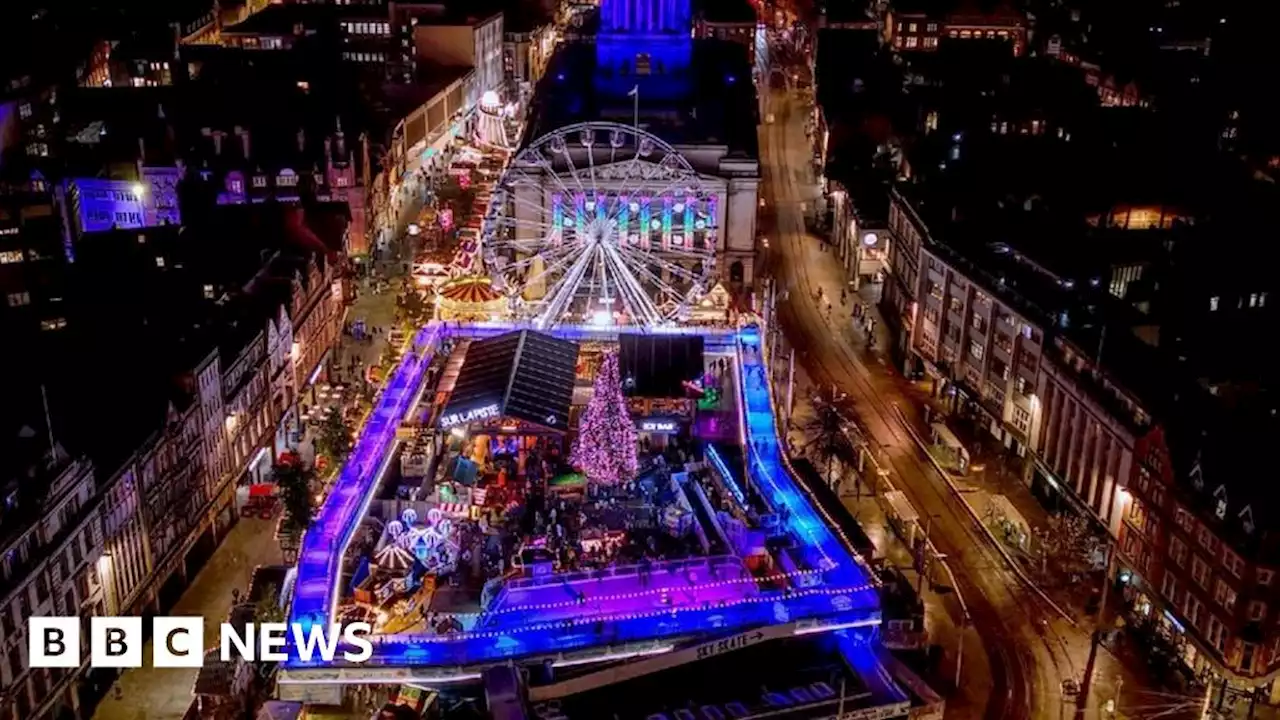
(658, 426)
(461, 418)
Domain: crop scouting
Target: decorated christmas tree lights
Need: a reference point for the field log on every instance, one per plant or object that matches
(606, 446)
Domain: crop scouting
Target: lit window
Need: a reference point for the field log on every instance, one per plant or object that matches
(24, 110)
(912, 42)
(1213, 303)
(53, 324)
(10, 256)
(259, 181)
(159, 261)
(1253, 300)
(19, 299)
(1262, 299)
(208, 292)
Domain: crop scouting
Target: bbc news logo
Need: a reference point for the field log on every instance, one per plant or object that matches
(116, 642)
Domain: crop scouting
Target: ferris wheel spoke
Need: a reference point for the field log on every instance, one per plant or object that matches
(563, 290)
(653, 258)
(573, 171)
(591, 164)
(551, 268)
(528, 181)
(687, 254)
(665, 288)
(543, 230)
(640, 302)
(549, 170)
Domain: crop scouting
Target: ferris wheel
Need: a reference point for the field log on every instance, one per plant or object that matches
(603, 223)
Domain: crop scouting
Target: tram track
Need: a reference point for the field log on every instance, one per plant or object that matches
(1025, 645)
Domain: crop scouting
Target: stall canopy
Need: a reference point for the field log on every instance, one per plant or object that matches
(656, 366)
(524, 375)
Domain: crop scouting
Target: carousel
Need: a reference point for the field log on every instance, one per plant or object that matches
(469, 299)
(399, 578)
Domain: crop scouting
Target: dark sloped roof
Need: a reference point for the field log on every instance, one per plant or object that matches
(528, 375)
(659, 365)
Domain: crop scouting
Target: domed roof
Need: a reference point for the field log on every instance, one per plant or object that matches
(470, 289)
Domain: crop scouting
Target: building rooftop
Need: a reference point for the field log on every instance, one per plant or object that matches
(726, 11)
(965, 10)
(784, 679)
(452, 15)
(718, 107)
(285, 19)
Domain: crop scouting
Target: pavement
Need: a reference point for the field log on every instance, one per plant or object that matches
(1018, 649)
(149, 693)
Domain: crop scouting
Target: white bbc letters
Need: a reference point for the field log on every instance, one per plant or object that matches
(53, 642)
(115, 642)
(177, 642)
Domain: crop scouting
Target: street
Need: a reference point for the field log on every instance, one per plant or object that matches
(1019, 650)
(149, 693)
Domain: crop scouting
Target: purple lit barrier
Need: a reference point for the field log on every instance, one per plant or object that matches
(320, 557)
(819, 608)
(768, 468)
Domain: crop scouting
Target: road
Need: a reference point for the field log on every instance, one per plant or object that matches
(1026, 649)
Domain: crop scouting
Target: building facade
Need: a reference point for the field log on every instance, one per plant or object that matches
(51, 565)
(901, 285)
(978, 347)
(1086, 432)
(918, 30)
(475, 42)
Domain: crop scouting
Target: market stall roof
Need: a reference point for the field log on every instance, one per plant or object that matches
(656, 366)
(522, 375)
(470, 289)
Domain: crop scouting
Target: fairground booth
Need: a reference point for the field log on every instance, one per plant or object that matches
(655, 372)
(512, 394)
(671, 386)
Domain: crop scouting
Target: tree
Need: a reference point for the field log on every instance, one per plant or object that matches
(826, 432)
(294, 483)
(606, 445)
(334, 439)
(268, 608)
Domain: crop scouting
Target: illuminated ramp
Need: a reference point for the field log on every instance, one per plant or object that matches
(325, 542)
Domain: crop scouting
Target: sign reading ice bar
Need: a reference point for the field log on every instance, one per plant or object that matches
(658, 426)
(467, 416)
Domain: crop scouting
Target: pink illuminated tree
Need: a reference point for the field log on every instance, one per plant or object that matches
(606, 446)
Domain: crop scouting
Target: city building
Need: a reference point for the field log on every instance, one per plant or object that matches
(730, 20)
(449, 39)
(697, 95)
(51, 561)
(924, 25)
(530, 39)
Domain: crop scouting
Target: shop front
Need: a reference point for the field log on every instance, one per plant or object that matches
(512, 396)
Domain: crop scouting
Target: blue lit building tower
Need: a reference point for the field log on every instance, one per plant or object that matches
(645, 43)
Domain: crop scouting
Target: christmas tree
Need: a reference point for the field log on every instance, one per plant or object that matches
(606, 444)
